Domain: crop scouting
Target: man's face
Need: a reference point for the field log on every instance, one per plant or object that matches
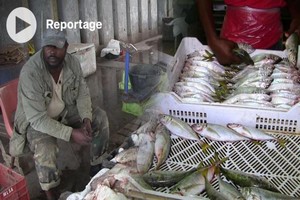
(54, 56)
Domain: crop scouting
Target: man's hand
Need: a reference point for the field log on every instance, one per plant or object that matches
(80, 136)
(294, 27)
(87, 125)
(223, 50)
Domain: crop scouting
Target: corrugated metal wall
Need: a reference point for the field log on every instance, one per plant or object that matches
(127, 20)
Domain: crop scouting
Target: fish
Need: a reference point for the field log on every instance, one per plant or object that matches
(145, 154)
(254, 193)
(128, 155)
(248, 90)
(162, 144)
(255, 103)
(255, 77)
(194, 183)
(286, 94)
(214, 194)
(243, 55)
(229, 191)
(158, 178)
(217, 132)
(291, 46)
(264, 58)
(179, 127)
(198, 95)
(246, 47)
(191, 75)
(249, 132)
(285, 86)
(265, 70)
(140, 180)
(198, 86)
(241, 97)
(276, 100)
(243, 179)
(147, 127)
(199, 81)
(211, 65)
(203, 73)
(265, 83)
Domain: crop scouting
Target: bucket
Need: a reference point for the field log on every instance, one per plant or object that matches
(144, 76)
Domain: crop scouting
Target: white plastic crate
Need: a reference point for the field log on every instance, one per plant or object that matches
(270, 119)
(86, 54)
(275, 120)
(279, 165)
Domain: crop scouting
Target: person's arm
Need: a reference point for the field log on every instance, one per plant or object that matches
(294, 9)
(222, 48)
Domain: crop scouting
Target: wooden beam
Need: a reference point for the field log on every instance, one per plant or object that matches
(105, 15)
(153, 17)
(68, 10)
(133, 20)
(144, 18)
(120, 20)
(88, 13)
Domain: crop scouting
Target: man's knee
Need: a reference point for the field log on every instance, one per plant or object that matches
(46, 153)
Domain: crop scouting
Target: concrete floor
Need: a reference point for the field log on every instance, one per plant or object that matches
(117, 119)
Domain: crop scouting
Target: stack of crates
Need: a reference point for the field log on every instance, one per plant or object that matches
(12, 185)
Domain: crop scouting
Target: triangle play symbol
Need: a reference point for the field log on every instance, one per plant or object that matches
(21, 24)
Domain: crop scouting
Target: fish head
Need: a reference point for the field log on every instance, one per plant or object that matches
(234, 126)
(292, 41)
(243, 55)
(164, 119)
(198, 127)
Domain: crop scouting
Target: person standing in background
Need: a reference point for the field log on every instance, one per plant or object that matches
(255, 22)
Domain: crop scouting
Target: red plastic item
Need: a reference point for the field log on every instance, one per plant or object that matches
(13, 185)
(8, 103)
(261, 28)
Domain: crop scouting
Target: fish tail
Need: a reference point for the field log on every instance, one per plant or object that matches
(256, 142)
(204, 146)
(204, 174)
(217, 161)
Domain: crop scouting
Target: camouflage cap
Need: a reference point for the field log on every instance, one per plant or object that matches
(54, 37)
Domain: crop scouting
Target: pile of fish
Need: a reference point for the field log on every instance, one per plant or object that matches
(264, 80)
(151, 144)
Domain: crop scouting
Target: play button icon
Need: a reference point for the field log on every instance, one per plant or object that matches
(21, 17)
